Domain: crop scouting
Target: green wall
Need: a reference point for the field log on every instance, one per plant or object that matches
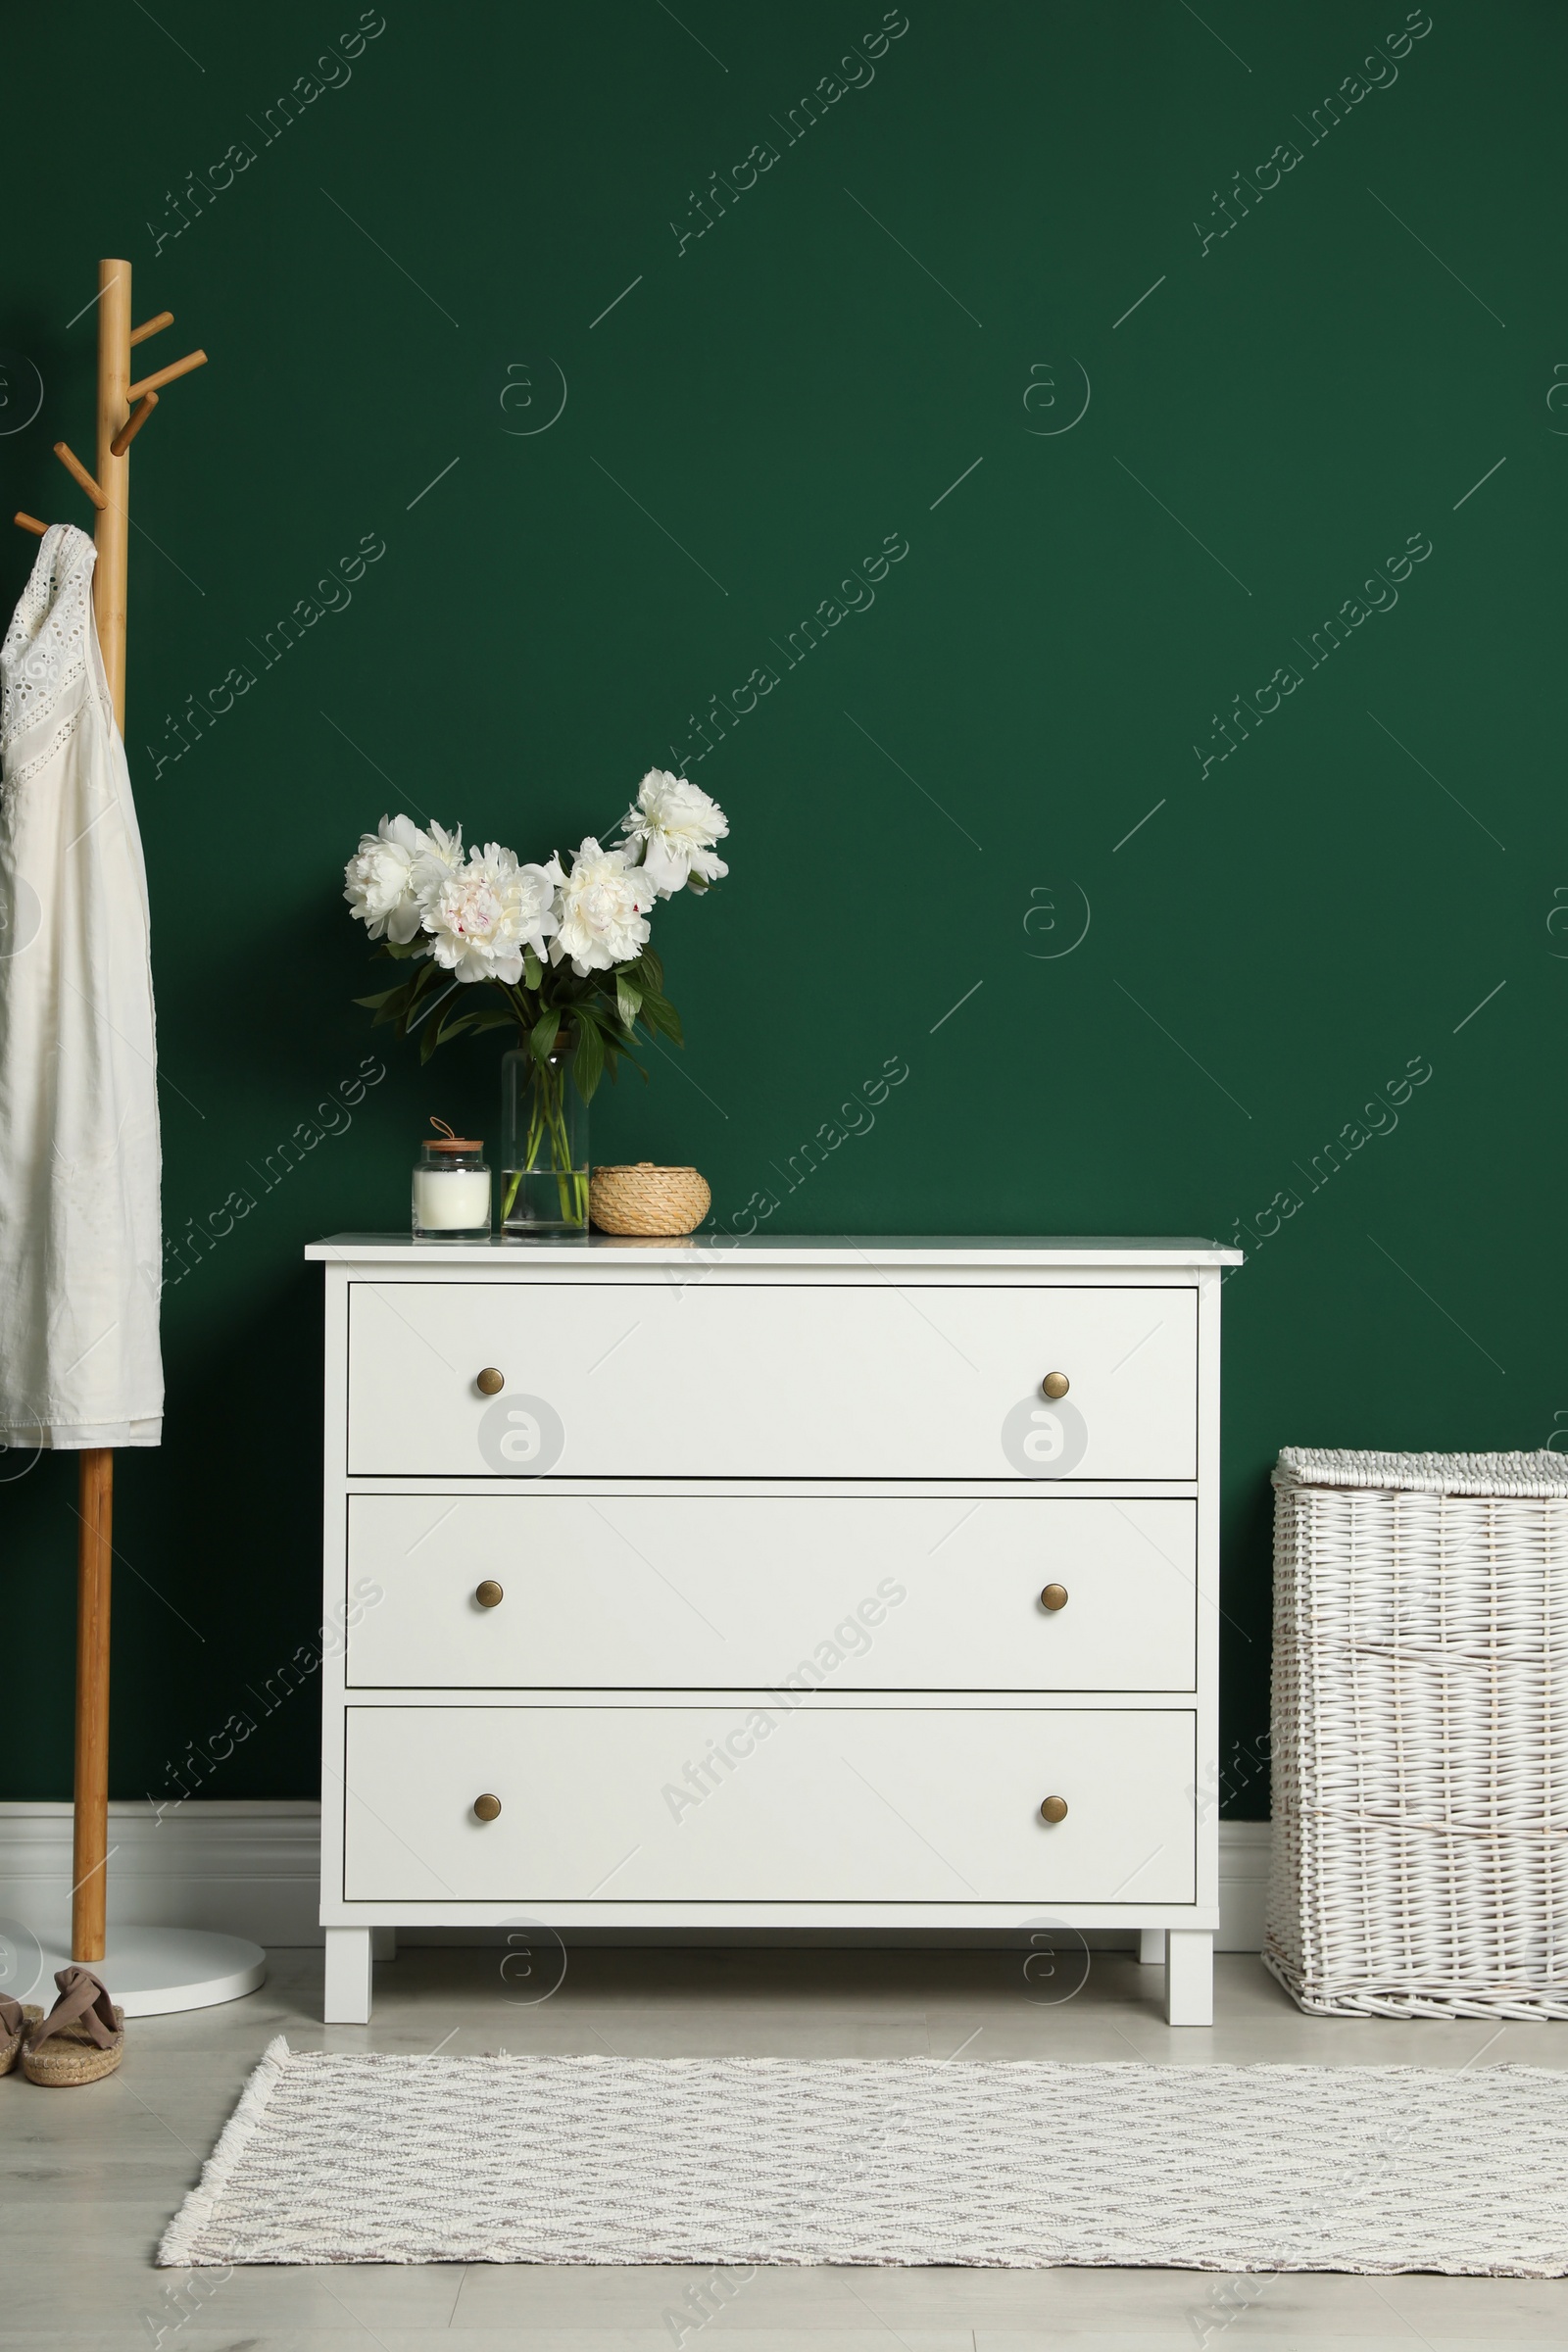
(927, 804)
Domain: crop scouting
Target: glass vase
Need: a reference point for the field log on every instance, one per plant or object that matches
(544, 1147)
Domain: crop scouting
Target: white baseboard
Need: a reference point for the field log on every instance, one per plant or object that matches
(252, 1868)
(1245, 1847)
(242, 1868)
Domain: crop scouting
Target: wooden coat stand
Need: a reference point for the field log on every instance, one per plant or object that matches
(124, 408)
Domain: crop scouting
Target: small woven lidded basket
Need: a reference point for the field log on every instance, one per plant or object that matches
(647, 1200)
(1420, 1734)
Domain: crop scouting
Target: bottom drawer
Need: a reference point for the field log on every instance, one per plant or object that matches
(727, 1804)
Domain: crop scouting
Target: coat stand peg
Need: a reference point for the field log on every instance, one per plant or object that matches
(80, 474)
(166, 376)
(29, 522)
(132, 425)
(152, 326)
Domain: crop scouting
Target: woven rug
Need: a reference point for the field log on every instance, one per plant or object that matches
(907, 2160)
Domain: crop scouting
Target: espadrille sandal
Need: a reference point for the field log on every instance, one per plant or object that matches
(87, 2030)
(15, 2020)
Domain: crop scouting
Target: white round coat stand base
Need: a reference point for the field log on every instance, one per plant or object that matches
(153, 1971)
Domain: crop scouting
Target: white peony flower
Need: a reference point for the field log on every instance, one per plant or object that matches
(385, 874)
(480, 917)
(677, 826)
(602, 906)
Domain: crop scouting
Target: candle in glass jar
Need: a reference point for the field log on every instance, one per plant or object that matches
(451, 1186)
(452, 1199)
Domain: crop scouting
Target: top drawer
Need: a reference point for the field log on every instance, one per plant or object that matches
(748, 1380)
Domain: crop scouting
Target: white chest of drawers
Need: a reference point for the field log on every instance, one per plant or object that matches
(698, 1584)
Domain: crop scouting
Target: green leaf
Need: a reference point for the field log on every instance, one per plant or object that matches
(588, 1063)
(387, 1006)
(429, 977)
(613, 1035)
(405, 947)
(660, 1014)
(542, 1037)
(628, 1002)
(496, 1016)
(532, 976)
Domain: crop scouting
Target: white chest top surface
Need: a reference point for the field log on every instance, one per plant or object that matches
(792, 1249)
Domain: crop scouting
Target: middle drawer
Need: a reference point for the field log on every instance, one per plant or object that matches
(707, 1592)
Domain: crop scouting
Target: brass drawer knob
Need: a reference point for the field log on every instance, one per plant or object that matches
(486, 1808)
(1054, 1596)
(1054, 1808)
(1054, 1383)
(490, 1382)
(490, 1594)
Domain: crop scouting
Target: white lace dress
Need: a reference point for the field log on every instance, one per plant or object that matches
(79, 1161)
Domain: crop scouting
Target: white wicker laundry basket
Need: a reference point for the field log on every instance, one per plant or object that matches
(1420, 1734)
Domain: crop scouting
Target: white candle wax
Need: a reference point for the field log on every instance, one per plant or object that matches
(452, 1199)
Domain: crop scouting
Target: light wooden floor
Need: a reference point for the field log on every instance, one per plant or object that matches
(90, 2178)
